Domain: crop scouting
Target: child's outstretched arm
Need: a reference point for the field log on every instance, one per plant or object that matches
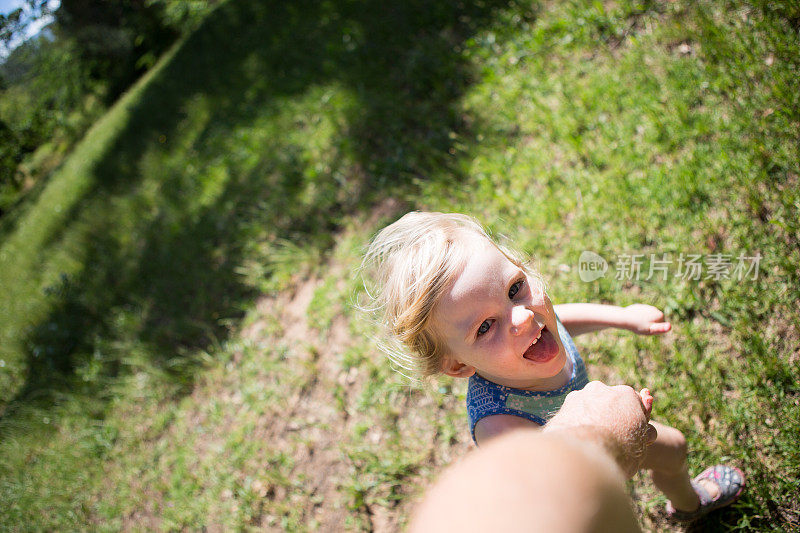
(581, 318)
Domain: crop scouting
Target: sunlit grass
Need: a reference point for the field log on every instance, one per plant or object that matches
(152, 374)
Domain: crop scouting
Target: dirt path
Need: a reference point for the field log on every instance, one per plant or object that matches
(315, 416)
(322, 413)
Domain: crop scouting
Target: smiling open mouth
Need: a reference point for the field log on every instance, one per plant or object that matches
(543, 348)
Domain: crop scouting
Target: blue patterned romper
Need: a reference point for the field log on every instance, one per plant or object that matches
(485, 398)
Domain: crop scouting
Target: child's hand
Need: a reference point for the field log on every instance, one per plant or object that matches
(645, 320)
(647, 401)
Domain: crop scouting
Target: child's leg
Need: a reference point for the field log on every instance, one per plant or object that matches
(666, 457)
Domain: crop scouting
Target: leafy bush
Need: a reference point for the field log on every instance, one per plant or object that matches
(50, 86)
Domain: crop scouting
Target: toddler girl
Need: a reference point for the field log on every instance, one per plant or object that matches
(456, 302)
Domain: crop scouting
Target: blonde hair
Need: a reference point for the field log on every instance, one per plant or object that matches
(411, 262)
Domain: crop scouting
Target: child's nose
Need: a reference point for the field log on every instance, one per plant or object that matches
(520, 319)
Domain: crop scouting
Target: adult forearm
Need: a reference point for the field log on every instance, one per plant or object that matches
(529, 481)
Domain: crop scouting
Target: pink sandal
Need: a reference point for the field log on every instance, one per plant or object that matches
(730, 481)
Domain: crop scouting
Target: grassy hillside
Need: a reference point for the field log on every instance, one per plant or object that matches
(178, 346)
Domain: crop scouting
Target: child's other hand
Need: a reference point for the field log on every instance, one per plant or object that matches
(647, 401)
(645, 320)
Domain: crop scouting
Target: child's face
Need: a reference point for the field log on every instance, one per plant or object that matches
(498, 322)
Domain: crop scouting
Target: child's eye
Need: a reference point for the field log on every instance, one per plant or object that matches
(484, 327)
(514, 289)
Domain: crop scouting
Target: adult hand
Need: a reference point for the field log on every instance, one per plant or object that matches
(619, 413)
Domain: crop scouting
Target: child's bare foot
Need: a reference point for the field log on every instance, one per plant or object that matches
(716, 486)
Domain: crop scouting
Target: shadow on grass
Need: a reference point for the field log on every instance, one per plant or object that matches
(161, 257)
(728, 519)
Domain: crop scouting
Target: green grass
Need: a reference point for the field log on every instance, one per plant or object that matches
(155, 373)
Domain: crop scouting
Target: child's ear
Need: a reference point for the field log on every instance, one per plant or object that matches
(453, 368)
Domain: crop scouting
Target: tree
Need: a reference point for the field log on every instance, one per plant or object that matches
(14, 25)
(53, 84)
(117, 41)
(11, 26)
